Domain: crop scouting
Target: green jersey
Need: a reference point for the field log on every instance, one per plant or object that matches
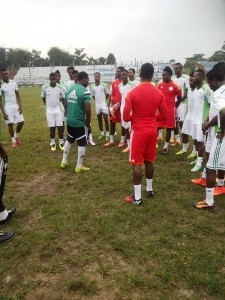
(77, 96)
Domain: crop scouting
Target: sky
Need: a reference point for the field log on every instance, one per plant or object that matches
(147, 30)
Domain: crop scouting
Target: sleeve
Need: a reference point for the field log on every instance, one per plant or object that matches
(209, 95)
(106, 89)
(87, 97)
(62, 93)
(43, 92)
(92, 91)
(127, 108)
(186, 82)
(178, 91)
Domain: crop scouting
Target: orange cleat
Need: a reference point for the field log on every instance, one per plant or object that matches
(200, 181)
(121, 144)
(219, 190)
(109, 144)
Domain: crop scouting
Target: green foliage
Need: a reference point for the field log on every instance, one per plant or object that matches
(111, 60)
(59, 57)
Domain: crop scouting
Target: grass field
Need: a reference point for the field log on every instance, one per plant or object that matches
(76, 238)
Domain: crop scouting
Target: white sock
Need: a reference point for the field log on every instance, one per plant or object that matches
(102, 133)
(90, 137)
(194, 149)
(61, 141)
(160, 132)
(220, 182)
(137, 192)
(80, 156)
(16, 135)
(66, 151)
(3, 215)
(199, 161)
(204, 175)
(172, 134)
(111, 138)
(185, 146)
(122, 138)
(52, 142)
(177, 138)
(128, 143)
(13, 140)
(149, 185)
(166, 145)
(107, 133)
(209, 196)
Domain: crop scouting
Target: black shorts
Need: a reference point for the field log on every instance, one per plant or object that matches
(78, 134)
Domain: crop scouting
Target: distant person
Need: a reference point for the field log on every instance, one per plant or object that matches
(75, 75)
(5, 215)
(202, 100)
(11, 107)
(216, 161)
(142, 103)
(53, 96)
(132, 79)
(78, 119)
(99, 91)
(171, 92)
(69, 81)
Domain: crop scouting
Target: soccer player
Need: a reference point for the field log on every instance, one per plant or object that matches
(114, 109)
(75, 75)
(216, 161)
(124, 88)
(69, 82)
(187, 128)
(5, 215)
(131, 75)
(53, 96)
(12, 107)
(202, 101)
(141, 105)
(171, 92)
(99, 91)
(78, 119)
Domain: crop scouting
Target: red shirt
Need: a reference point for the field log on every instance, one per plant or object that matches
(170, 90)
(141, 105)
(116, 95)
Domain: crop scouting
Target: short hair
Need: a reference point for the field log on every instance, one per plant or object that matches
(220, 66)
(215, 73)
(82, 75)
(179, 64)
(132, 70)
(121, 68)
(75, 72)
(52, 74)
(97, 73)
(147, 71)
(201, 72)
(168, 70)
(3, 70)
(57, 72)
(124, 70)
(191, 74)
(70, 68)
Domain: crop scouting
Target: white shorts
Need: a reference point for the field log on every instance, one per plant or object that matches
(55, 119)
(197, 133)
(102, 109)
(217, 155)
(187, 127)
(123, 123)
(14, 116)
(210, 139)
(181, 112)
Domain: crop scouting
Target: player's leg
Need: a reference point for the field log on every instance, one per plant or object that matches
(167, 140)
(149, 171)
(112, 132)
(100, 125)
(11, 133)
(122, 139)
(19, 127)
(90, 137)
(106, 120)
(60, 128)
(67, 146)
(81, 139)
(220, 189)
(52, 137)
(127, 135)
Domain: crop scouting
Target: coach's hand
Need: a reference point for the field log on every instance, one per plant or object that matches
(5, 116)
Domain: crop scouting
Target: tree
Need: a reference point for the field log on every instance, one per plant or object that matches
(171, 61)
(18, 57)
(79, 56)
(101, 60)
(59, 57)
(111, 60)
(2, 57)
(35, 57)
(218, 55)
(198, 57)
(91, 60)
(190, 64)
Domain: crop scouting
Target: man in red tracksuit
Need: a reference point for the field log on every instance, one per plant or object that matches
(142, 103)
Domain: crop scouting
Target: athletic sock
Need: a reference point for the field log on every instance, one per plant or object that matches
(122, 138)
(107, 133)
(185, 146)
(220, 182)
(111, 138)
(149, 185)
(80, 156)
(194, 149)
(204, 175)
(166, 145)
(52, 142)
(199, 161)
(61, 141)
(102, 133)
(128, 143)
(177, 138)
(209, 196)
(90, 137)
(66, 151)
(160, 133)
(172, 134)
(13, 140)
(16, 135)
(137, 192)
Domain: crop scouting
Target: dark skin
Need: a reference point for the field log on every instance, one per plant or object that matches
(131, 75)
(5, 78)
(87, 106)
(53, 79)
(211, 174)
(124, 78)
(167, 78)
(97, 79)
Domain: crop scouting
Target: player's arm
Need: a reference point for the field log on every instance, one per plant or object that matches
(162, 109)
(3, 153)
(5, 116)
(43, 95)
(179, 96)
(127, 111)
(87, 108)
(222, 122)
(18, 98)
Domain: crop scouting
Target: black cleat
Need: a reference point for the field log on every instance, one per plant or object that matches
(6, 236)
(150, 193)
(11, 212)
